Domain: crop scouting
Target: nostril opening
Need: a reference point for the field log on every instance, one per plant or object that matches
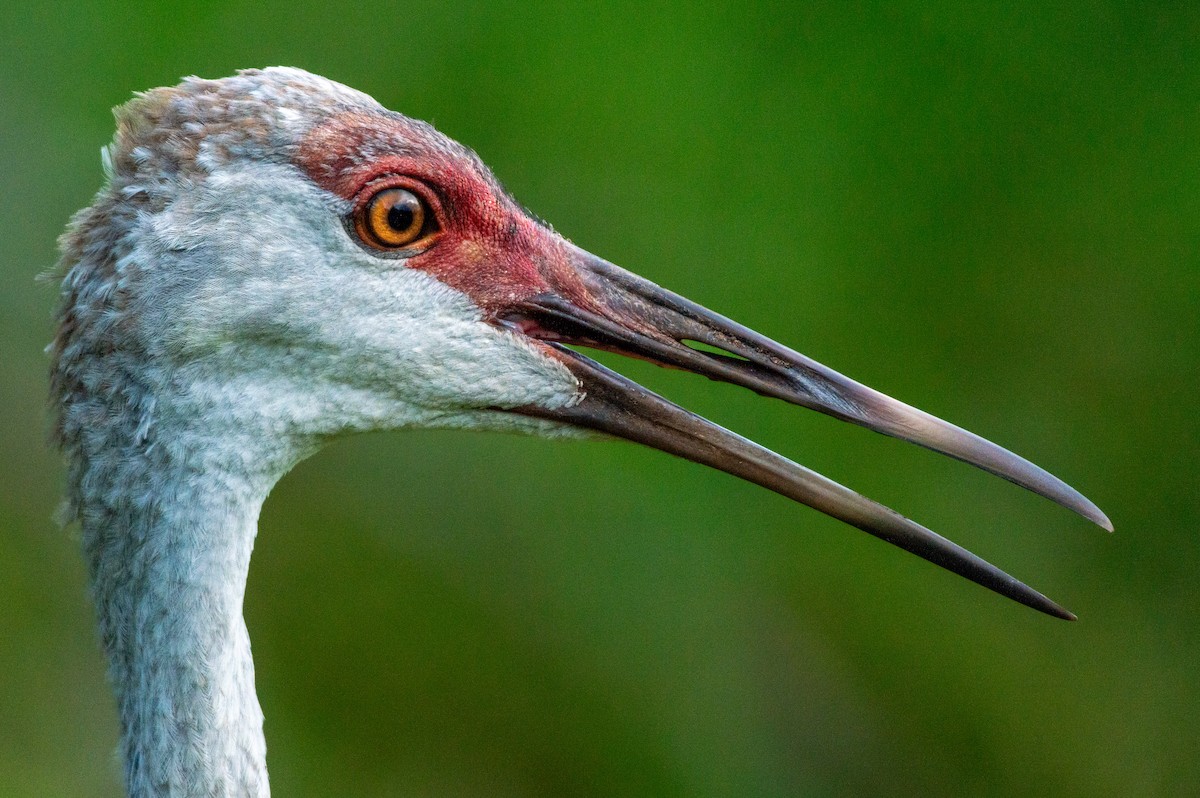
(709, 349)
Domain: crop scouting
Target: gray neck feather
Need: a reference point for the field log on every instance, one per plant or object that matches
(166, 477)
(168, 546)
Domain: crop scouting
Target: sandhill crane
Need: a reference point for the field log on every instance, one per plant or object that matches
(276, 260)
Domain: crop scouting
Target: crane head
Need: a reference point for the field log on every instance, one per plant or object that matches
(292, 256)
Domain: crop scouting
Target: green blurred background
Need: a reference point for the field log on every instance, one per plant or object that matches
(989, 210)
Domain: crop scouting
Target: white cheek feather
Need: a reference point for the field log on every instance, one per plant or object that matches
(316, 334)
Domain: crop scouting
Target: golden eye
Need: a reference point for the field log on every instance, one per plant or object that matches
(391, 219)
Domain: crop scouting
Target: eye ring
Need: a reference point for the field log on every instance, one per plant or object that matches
(394, 215)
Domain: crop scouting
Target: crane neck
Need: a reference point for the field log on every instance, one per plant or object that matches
(169, 518)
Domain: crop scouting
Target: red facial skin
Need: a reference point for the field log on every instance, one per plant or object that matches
(487, 247)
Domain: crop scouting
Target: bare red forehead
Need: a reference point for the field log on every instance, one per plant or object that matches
(489, 248)
(348, 149)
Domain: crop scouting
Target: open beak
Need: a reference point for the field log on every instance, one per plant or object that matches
(611, 309)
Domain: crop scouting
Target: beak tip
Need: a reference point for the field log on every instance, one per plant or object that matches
(1050, 607)
(1061, 493)
(1097, 517)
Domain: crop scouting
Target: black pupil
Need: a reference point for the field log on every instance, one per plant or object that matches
(400, 217)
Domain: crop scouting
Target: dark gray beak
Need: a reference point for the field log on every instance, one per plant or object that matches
(621, 312)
